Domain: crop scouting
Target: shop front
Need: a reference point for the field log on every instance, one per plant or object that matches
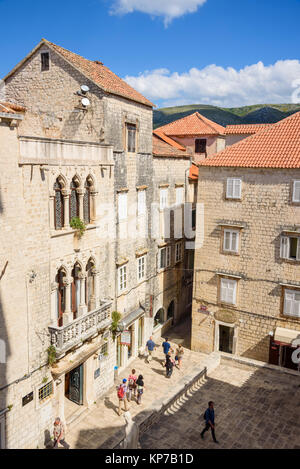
(283, 348)
(131, 338)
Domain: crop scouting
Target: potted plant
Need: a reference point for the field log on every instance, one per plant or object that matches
(115, 316)
(77, 224)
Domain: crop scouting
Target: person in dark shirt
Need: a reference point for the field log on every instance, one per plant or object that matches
(150, 347)
(166, 348)
(169, 365)
(210, 421)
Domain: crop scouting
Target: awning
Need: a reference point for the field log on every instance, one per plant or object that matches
(131, 317)
(285, 336)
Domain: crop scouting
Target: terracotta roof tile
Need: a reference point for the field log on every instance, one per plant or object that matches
(101, 75)
(169, 140)
(245, 129)
(194, 124)
(161, 148)
(194, 172)
(10, 108)
(277, 146)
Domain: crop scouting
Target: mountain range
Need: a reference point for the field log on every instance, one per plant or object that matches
(255, 114)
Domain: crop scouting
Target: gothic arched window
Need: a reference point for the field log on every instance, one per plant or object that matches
(87, 201)
(61, 296)
(89, 285)
(58, 205)
(75, 290)
(74, 200)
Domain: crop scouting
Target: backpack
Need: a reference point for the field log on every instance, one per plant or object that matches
(132, 384)
(121, 392)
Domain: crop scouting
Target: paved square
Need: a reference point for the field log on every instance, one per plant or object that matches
(254, 408)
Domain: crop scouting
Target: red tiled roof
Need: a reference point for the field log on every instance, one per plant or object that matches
(161, 148)
(10, 108)
(194, 172)
(277, 146)
(101, 75)
(194, 124)
(244, 129)
(169, 140)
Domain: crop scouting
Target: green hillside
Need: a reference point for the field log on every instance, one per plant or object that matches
(255, 114)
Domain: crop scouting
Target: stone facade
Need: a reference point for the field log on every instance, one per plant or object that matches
(262, 215)
(59, 289)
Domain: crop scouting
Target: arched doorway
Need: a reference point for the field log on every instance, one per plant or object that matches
(159, 317)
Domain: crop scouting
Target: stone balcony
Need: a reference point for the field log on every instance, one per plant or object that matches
(67, 337)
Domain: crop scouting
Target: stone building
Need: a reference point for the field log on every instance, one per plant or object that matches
(236, 133)
(82, 151)
(174, 195)
(195, 132)
(246, 298)
(81, 154)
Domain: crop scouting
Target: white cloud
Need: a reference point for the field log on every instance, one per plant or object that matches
(168, 9)
(220, 86)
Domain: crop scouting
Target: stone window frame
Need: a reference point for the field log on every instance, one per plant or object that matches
(49, 61)
(168, 256)
(233, 198)
(284, 289)
(127, 121)
(231, 229)
(235, 278)
(139, 258)
(180, 258)
(83, 307)
(65, 182)
(42, 403)
(288, 235)
(292, 192)
(121, 268)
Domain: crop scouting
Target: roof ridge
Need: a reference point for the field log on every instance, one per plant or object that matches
(209, 122)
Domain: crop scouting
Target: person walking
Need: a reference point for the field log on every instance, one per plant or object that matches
(122, 395)
(59, 434)
(169, 365)
(150, 346)
(179, 355)
(209, 417)
(140, 388)
(166, 348)
(131, 385)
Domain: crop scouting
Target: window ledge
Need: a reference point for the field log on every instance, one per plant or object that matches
(233, 199)
(230, 253)
(69, 230)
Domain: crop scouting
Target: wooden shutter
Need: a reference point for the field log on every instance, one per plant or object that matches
(237, 183)
(284, 247)
(298, 249)
(296, 191)
(122, 205)
(141, 202)
(288, 302)
(229, 191)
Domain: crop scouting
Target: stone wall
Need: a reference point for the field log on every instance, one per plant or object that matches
(263, 213)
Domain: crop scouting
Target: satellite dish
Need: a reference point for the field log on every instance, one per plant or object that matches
(85, 102)
(84, 89)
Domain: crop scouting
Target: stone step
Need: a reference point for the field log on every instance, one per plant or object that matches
(77, 416)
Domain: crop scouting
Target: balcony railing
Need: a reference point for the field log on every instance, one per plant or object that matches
(65, 338)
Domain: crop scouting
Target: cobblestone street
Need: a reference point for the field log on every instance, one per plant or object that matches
(94, 427)
(254, 408)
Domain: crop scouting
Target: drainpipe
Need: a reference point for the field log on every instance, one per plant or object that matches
(4, 411)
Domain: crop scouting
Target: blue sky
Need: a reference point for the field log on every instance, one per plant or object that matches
(225, 52)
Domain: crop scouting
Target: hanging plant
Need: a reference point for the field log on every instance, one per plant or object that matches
(51, 350)
(115, 316)
(77, 224)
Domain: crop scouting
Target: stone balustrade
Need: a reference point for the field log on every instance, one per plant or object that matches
(66, 337)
